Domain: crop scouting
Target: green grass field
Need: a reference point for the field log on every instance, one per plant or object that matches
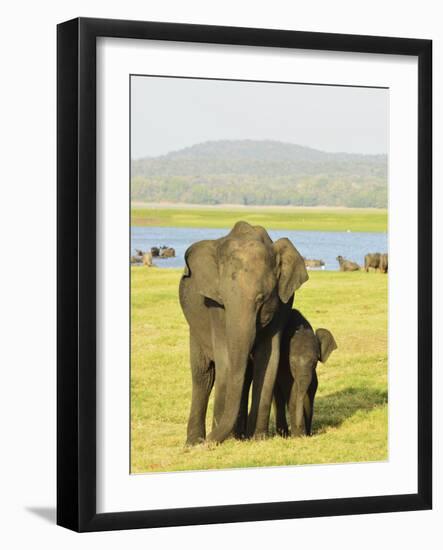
(351, 412)
(308, 219)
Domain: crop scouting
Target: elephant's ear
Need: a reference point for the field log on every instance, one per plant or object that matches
(327, 343)
(201, 266)
(292, 269)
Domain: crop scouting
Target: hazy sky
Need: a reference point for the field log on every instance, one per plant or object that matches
(168, 114)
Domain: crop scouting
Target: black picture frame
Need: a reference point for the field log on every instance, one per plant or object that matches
(76, 273)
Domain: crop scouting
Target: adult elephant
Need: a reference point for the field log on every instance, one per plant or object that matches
(383, 263)
(236, 293)
(372, 260)
(347, 265)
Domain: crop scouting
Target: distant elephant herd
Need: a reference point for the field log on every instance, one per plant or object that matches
(375, 261)
(145, 258)
(237, 294)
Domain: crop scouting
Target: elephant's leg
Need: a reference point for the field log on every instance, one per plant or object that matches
(282, 391)
(240, 429)
(280, 411)
(219, 398)
(202, 370)
(296, 411)
(307, 414)
(309, 404)
(266, 357)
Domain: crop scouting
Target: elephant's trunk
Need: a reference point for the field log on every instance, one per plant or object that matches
(240, 332)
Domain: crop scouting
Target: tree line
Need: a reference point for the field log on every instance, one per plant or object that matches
(253, 174)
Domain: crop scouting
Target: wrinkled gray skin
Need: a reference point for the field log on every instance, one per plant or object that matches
(297, 381)
(383, 263)
(347, 265)
(236, 293)
(372, 260)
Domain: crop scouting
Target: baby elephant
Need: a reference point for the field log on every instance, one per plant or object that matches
(297, 382)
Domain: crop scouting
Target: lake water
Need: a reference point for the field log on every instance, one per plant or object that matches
(317, 245)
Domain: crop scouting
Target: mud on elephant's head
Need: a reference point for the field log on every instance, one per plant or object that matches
(246, 273)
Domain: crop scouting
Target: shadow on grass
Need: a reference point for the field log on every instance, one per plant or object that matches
(332, 410)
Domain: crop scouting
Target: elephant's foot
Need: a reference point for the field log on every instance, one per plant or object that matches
(260, 436)
(210, 445)
(193, 441)
(283, 432)
(215, 437)
(239, 431)
(298, 431)
(219, 434)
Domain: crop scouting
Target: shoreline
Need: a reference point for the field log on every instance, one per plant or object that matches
(271, 217)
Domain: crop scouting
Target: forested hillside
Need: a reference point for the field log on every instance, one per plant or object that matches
(261, 173)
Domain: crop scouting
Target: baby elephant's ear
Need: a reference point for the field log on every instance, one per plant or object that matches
(327, 343)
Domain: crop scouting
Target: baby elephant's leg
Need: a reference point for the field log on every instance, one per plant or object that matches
(297, 404)
(309, 403)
